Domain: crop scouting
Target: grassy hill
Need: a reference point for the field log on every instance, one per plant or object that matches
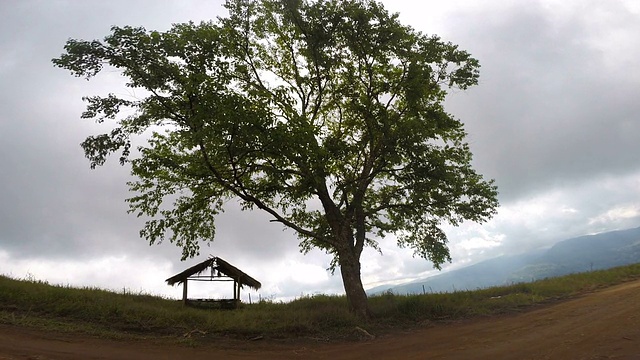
(40, 305)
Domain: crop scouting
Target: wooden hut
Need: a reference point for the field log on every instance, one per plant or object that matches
(214, 269)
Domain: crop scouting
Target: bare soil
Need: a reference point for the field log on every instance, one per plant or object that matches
(601, 325)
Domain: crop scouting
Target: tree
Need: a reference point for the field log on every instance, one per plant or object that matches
(325, 114)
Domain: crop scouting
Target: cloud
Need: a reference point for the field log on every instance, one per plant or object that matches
(117, 273)
(550, 110)
(553, 120)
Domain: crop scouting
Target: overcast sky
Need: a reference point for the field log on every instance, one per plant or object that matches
(554, 120)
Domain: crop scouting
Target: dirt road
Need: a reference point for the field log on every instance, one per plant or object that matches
(600, 325)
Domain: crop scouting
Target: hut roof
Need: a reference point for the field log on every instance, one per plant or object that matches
(216, 263)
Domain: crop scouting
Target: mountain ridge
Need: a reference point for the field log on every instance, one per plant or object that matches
(579, 254)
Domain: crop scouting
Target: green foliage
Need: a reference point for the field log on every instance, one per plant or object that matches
(287, 106)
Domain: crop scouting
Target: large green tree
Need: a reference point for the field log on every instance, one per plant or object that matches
(325, 114)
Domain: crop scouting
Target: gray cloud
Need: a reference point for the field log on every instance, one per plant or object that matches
(53, 205)
(550, 110)
(554, 121)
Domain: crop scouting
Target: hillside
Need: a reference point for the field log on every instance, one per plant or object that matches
(584, 253)
(598, 325)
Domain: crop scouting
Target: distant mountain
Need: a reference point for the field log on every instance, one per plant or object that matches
(585, 253)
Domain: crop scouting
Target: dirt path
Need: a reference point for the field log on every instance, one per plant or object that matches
(600, 325)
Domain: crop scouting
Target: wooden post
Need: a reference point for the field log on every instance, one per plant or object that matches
(237, 296)
(184, 292)
(235, 285)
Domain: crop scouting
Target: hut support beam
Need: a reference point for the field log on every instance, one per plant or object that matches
(184, 292)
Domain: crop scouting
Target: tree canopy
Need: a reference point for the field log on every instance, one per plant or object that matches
(328, 115)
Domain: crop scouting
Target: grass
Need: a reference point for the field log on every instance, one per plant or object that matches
(102, 313)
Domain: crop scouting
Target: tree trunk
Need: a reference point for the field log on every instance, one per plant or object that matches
(350, 270)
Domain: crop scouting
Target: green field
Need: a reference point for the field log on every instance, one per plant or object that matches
(37, 304)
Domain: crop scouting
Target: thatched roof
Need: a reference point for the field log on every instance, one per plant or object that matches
(215, 263)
